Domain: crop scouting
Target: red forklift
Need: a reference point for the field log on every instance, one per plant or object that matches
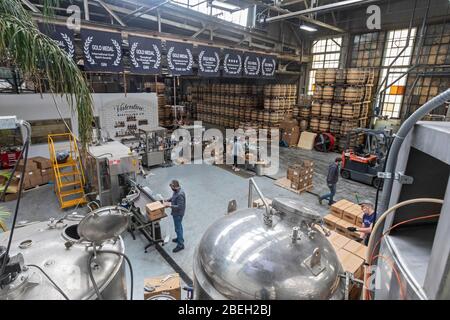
(362, 161)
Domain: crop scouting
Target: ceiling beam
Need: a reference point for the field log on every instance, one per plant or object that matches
(324, 8)
(111, 12)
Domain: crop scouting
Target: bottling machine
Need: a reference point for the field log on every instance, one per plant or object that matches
(108, 166)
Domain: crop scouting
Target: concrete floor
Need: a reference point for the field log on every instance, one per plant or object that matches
(208, 191)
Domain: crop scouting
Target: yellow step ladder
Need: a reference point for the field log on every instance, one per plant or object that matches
(69, 176)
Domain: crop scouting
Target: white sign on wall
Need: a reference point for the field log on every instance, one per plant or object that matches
(124, 116)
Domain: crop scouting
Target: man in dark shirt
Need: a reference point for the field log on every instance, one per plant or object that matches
(178, 205)
(369, 215)
(332, 179)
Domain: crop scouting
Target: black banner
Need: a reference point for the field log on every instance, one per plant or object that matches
(102, 50)
(208, 61)
(232, 63)
(179, 58)
(145, 55)
(252, 65)
(62, 35)
(268, 66)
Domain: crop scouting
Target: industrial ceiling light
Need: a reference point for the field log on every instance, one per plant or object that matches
(225, 6)
(308, 28)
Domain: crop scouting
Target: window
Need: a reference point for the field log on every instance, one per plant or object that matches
(238, 17)
(326, 54)
(40, 129)
(393, 97)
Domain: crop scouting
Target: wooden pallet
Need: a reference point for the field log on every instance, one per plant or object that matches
(285, 183)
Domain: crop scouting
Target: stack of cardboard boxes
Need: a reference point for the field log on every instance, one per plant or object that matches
(301, 175)
(38, 171)
(290, 132)
(352, 256)
(344, 214)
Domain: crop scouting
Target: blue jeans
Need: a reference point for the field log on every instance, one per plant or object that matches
(178, 229)
(330, 195)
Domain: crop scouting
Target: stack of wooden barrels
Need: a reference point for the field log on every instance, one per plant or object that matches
(230, 105)
(341, 100)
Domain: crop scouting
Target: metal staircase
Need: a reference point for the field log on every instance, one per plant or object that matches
(69, 176)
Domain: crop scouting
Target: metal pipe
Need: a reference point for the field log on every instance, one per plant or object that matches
(86, 10)
(251, 185)
(324, 8)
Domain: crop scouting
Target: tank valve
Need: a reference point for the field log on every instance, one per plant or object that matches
(295, 232)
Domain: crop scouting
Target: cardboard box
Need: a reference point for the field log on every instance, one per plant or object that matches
(357, 249)
(35, 178)
(47, 175)
(351, 263)
(291, 136)
(11, 196)
(288, 124)
(31, 166)
(308, 163)
(155, 211)
(342, 225)
(359, 220)
(351, 213)
(337, 240)
(167, 284)
(307, 140)
(259, 203)
(330, 221)
(42, 163)
(357, 236)
(338, 208)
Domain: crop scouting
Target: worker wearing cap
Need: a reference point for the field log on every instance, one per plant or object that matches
(369, 215)
(178, 205)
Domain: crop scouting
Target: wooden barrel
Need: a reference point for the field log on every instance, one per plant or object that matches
(341, 76)
(320, 76)
(339, 94)
(268, 90)
(275, 104)
(325, 110)
(328, 93)
(353, 94)
(330, 76)
(296, 111)
(347, 111)
(318, 92)
(335, 126)
(315, 108)
(336, 110)
(303, 124)
(314, 124)
(324, 125)
(305, 111)
(275, 90)
(347, 126)
(356, 76)
(254, 115)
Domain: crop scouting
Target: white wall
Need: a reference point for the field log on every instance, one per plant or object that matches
(37, 107)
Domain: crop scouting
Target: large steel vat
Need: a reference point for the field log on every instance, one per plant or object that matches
(242, 256)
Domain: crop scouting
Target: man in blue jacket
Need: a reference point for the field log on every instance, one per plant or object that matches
(178, 205)
(332, 179)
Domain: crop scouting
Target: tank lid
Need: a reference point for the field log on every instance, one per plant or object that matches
(293, 206)
(103, 224)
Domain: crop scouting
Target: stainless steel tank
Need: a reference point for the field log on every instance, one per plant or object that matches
(274, 254)
(63, 254)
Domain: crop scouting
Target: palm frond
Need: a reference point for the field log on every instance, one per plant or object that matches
(32, 51)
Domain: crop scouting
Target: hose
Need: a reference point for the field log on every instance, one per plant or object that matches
(91, 276)
(49, 279)
(380, 220)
